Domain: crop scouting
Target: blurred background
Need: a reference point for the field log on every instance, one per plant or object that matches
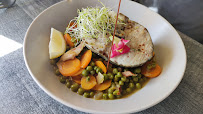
(185, 15)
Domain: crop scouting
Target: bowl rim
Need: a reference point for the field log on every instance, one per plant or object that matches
(89, 110)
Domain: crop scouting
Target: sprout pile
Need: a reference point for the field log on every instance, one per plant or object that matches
(91, 22)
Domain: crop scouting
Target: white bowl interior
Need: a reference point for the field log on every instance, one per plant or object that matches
(169, 49)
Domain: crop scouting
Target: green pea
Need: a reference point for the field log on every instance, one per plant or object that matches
(85, 73)
(126, 69)
(128, 90)
(119, 74)
(113, 84)
(135, 79)
(89, 68)
(91, 94)
(141, 80)
(144, 78)
(88, 78)
(81, 91)
(105, 77)
(131, 85)
(57, 72)
(127, 80)
(116, 79)
(92, 72)
(110, 76)
(68, 84)
(139, 76)
(74, 87)
(115, 70)
(150, 66)
(124, 79)
(110, 90)
(67, 80)
(111, 96)
(62, 79)
(86, 94)
(92, 63)
(121, 83)
(95, 68)
(116, 92)
(124, 92)
(105, 96)
(120, 69)
(131, 80)
(99, 70)
(138, 85)
(138, 70)
(118, 96)
(53, 61)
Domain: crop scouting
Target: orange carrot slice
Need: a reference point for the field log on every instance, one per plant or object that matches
(79, 72)
(151, 73)
(88, 84)
(69, 67)
(68, 40)
(86, 58)
(101, 65)
(77, 79)
(102, 86)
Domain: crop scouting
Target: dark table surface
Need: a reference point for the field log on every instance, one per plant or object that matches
(20, 94)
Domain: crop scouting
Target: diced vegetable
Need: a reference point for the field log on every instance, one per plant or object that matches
(68, 40)
(86, 58)
(88, 84)
(102, 86)
(70, 67)
(128, 73)
(101, 65)
(71, 54)
(100, 78)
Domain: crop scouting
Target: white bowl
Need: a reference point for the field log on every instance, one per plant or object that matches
(169, 49)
